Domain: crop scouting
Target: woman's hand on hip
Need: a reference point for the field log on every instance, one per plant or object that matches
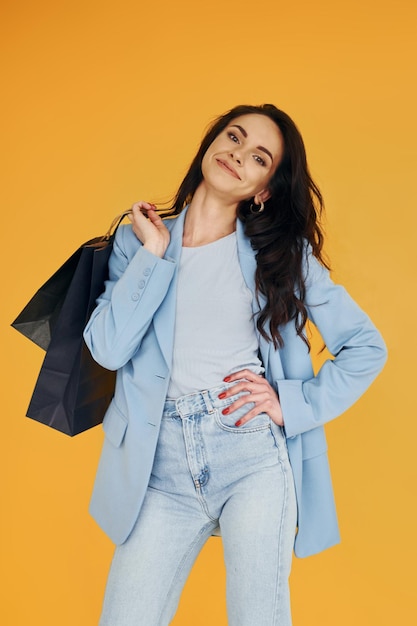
(258, 391)
(149, 228)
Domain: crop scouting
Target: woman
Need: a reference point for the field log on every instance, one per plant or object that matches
(217, 420)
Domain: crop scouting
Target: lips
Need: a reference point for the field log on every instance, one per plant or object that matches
(228, 168)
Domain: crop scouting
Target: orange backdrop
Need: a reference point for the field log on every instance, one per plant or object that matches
(104, 103)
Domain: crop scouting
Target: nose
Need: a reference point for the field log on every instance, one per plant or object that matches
(236, 156)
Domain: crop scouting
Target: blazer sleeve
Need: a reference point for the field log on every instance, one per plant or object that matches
(138, 282)
(357, 347)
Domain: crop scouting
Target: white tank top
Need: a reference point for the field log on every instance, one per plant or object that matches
(214, 327)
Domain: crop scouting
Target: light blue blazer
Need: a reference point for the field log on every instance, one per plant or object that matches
(131, 331)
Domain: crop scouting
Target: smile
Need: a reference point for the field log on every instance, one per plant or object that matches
(227, 168)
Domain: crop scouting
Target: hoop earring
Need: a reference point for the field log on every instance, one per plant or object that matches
(260, 208)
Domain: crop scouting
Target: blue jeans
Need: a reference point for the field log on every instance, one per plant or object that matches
(208, 474)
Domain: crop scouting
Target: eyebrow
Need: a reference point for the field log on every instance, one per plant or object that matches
(245, 134)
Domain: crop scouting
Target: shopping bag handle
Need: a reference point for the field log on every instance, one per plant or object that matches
(115, 225)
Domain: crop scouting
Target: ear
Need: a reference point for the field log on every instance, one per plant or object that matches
(262, 196)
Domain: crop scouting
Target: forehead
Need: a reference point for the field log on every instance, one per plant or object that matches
(261, 129)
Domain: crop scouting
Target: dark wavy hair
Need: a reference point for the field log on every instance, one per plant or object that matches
(279, 234)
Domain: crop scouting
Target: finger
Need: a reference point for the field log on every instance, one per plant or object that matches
(158, 223)
(259, 403)
(262, 404)
(146, 210)
(246, 374)
(138, 213)
(143, 204)
(275, 415)
(244, 385)
(154, 217)
(142, 207)
(269, 406)
(249, 416)
(258, 399)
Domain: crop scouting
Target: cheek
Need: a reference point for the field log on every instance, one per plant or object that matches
(260, 179)
(205, 161)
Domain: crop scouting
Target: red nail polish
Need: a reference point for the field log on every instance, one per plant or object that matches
(225, 411)
(238, 423)
(226, 380)
(222, 395)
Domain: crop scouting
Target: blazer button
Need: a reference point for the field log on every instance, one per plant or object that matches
(135, 296)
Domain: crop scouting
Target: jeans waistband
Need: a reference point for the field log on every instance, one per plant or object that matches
(206, 400)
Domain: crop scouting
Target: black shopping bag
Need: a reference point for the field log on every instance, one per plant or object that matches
(72, 392)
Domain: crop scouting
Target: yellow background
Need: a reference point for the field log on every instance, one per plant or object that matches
(104, 103)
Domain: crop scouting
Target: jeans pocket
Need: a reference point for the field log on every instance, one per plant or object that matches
(256, 424)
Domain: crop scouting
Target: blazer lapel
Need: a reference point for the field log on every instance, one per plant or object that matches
(164, 318)
(247, 259)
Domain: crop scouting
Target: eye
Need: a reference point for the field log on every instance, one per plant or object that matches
(259, 160)
(233, 137)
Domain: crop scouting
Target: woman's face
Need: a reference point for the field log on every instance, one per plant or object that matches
(242, 159)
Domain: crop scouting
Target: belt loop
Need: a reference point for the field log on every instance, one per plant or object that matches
(179, 406)
(206, 398)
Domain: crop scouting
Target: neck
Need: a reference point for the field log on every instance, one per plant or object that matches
(208, 219)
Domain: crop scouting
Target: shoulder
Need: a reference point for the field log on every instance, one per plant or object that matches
(125, 242)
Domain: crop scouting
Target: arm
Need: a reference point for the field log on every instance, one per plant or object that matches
(359, 355)
(138, 282)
